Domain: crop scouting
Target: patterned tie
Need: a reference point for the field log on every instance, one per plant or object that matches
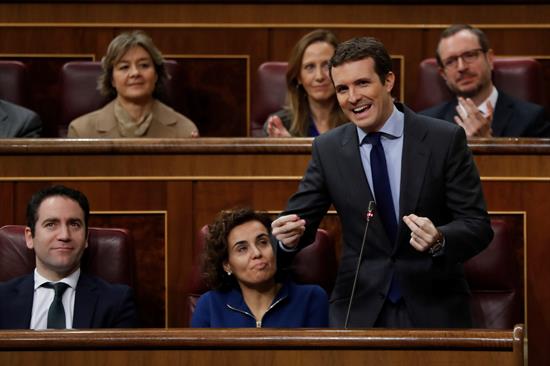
(384, 200)
(56, 314)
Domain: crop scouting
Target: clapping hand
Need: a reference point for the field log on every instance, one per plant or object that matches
(469, 117)
(275, 127)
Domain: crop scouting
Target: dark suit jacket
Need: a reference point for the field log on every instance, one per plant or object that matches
(439, 180)
(16, 121)
(512, 117)
(98, 304)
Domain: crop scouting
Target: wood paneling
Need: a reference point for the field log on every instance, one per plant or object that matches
(148, 238)
(215, 94)
(276, 13)
(263, 347)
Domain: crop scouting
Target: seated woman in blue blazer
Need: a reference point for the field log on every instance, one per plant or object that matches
(240, 267)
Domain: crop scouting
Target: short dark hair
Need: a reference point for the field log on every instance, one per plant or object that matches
(454, 29)
(216, 250)
(360, 48)
(57, 190)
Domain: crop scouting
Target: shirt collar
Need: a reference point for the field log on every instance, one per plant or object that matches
(70, 280)
(492, 98)
(392, 128)
(235, 297)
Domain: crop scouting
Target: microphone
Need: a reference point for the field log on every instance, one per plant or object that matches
(369, 216)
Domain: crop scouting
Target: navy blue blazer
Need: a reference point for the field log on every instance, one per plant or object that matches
(98, 304)
(295, 306)
(512, 117)
(439, 180)
(17, 121)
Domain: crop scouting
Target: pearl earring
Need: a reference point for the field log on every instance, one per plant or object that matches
(229, 273)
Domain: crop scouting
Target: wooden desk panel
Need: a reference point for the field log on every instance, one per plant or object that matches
(262, 347)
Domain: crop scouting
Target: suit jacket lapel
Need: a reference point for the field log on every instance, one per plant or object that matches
(357, 185)
(502, 115)
(20, 312)
(413, 167)
(85, 302)
(106, 121)
(450, 111)
(352, 167)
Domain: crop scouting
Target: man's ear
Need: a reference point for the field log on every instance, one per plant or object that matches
(28, 238)
(389, 81)
(490, 57)
(442, 73)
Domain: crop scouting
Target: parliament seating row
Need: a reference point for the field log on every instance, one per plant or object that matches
(79, 93)
(493, 275)
(519, 77)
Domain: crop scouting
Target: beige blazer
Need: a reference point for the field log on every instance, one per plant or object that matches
(102, 123)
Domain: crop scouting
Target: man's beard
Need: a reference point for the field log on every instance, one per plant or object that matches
(470, 93)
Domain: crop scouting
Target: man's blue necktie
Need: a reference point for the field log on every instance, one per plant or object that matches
(384, 200)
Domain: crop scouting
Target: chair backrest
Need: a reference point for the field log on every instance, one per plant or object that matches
(13, 82)
(109, 254)
(80, 95)
(494, 277)
(520, 77)
(315, 264)
(270, 94)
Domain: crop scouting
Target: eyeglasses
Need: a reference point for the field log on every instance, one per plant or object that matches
(467, 57)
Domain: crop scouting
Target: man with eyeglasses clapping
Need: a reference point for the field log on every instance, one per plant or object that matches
(465, 61)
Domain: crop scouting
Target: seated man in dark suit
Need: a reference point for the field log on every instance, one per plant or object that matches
(466, 61)
(16, 121)
(57, 294)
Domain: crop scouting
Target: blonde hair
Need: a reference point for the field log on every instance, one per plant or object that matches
(297, 103)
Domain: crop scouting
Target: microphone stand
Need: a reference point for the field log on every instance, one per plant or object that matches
(370, 214)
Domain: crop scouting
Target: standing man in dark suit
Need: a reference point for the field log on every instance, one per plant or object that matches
(466, 62)
(431, 214)
(57, 294)
(16, 121)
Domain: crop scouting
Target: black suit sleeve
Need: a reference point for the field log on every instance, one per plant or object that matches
(32, 126)
(469, 230)
(126, 315)
(539, 127)
(312, 199)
